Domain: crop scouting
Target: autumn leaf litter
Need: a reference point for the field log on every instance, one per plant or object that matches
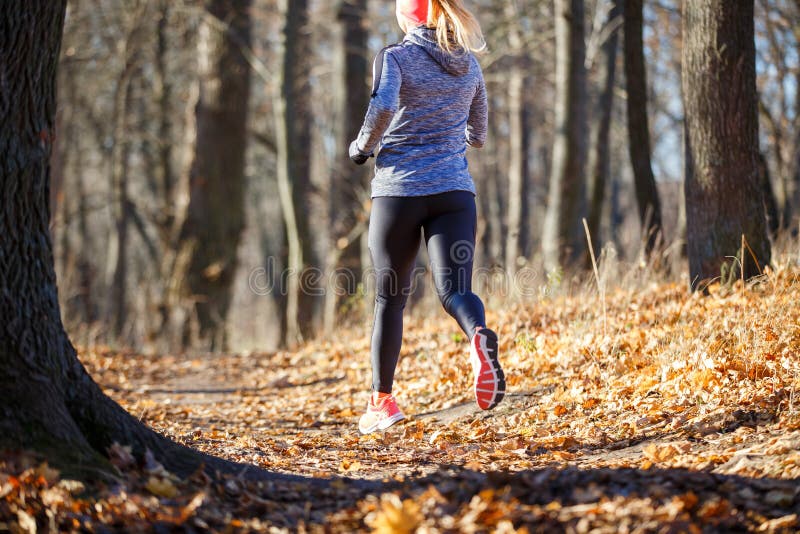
(672, 413)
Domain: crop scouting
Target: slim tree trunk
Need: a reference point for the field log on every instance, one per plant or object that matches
(528, 147)
(600, 151)
(770, 201)
(562, 236)
(293, 140)
(163, 89)
(724, 198)
(50, 404)
(120, 202)
(795, 204)
(638, 127)
(516, 139)
(215, 216)
(349, 182)
(492, 206)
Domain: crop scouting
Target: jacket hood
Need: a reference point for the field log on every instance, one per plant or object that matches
(456, 64)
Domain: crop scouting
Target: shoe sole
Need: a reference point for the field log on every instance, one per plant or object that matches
(383, 424)
(487, 354)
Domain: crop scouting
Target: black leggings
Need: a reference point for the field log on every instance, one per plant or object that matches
(448, 221)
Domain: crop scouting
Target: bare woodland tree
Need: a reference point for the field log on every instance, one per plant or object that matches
(562, 235)
(349, 183)
(599, 151)
(638, 126)
(724, 198)
(211, 231)
(518, 151)
(293, 140)
(120, 155)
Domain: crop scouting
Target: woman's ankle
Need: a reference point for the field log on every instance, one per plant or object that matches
(378, 396)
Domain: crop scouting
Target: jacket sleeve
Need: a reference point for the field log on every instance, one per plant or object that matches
(478, 121)
(383, 105)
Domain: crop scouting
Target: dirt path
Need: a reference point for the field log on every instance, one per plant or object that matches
(729, 470)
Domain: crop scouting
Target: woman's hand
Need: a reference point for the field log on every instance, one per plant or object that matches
(358, 157)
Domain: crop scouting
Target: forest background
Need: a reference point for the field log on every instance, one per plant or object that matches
(202, 160)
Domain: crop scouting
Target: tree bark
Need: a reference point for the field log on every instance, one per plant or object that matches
(50, 404)
(770, 201)
(639, 128)
(215, 217)
(562, 236)
(600, 151)
(349, 183)
(724, 198)
(516, 138)
(293, 140)
(120, 201)
(795, 204)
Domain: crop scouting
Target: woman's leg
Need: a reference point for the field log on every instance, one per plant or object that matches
(450, 235)
(450, 238)
(394, 232)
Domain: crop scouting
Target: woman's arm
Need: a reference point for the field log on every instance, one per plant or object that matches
(382, 106)
(478, 121)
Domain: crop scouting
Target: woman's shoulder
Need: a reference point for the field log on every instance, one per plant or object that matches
(397, 50)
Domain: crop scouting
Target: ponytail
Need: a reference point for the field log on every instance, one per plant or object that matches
(456, 27)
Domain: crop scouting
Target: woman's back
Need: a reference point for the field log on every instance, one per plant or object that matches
(435, 104)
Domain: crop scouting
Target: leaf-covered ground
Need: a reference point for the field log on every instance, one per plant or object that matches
(667, 413)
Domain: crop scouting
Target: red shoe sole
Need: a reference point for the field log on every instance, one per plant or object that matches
(490, 381)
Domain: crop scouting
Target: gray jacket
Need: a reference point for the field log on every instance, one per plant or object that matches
(427, 106)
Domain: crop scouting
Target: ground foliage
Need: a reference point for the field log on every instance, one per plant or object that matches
(669, 412)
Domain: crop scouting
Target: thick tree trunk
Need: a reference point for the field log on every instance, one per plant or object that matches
(50, 404)
(600, 151)
(293, 140)
(724, 198)
(215, 217)
(563, 238)
(638, 127)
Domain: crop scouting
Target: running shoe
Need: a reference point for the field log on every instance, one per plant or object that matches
(380, 416)
(490, 382)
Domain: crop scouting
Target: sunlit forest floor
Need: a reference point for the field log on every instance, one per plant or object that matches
(669, 412)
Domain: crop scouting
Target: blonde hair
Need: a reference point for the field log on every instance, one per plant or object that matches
(456, 26)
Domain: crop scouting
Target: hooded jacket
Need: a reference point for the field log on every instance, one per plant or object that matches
(426, 107)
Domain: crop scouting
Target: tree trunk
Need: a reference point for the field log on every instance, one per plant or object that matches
(724, 199)
(795, 204)
(215, 217)
(120, 201)
(516, 140)
(529, 122)
(293, 140)
(600, 151)
(492, 197)
(50, 404)
(349, 183)
(770, 201)
(163, 87)
(638, 127)
(562, 236)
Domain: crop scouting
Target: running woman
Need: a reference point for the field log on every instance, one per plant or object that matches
(428, 103)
